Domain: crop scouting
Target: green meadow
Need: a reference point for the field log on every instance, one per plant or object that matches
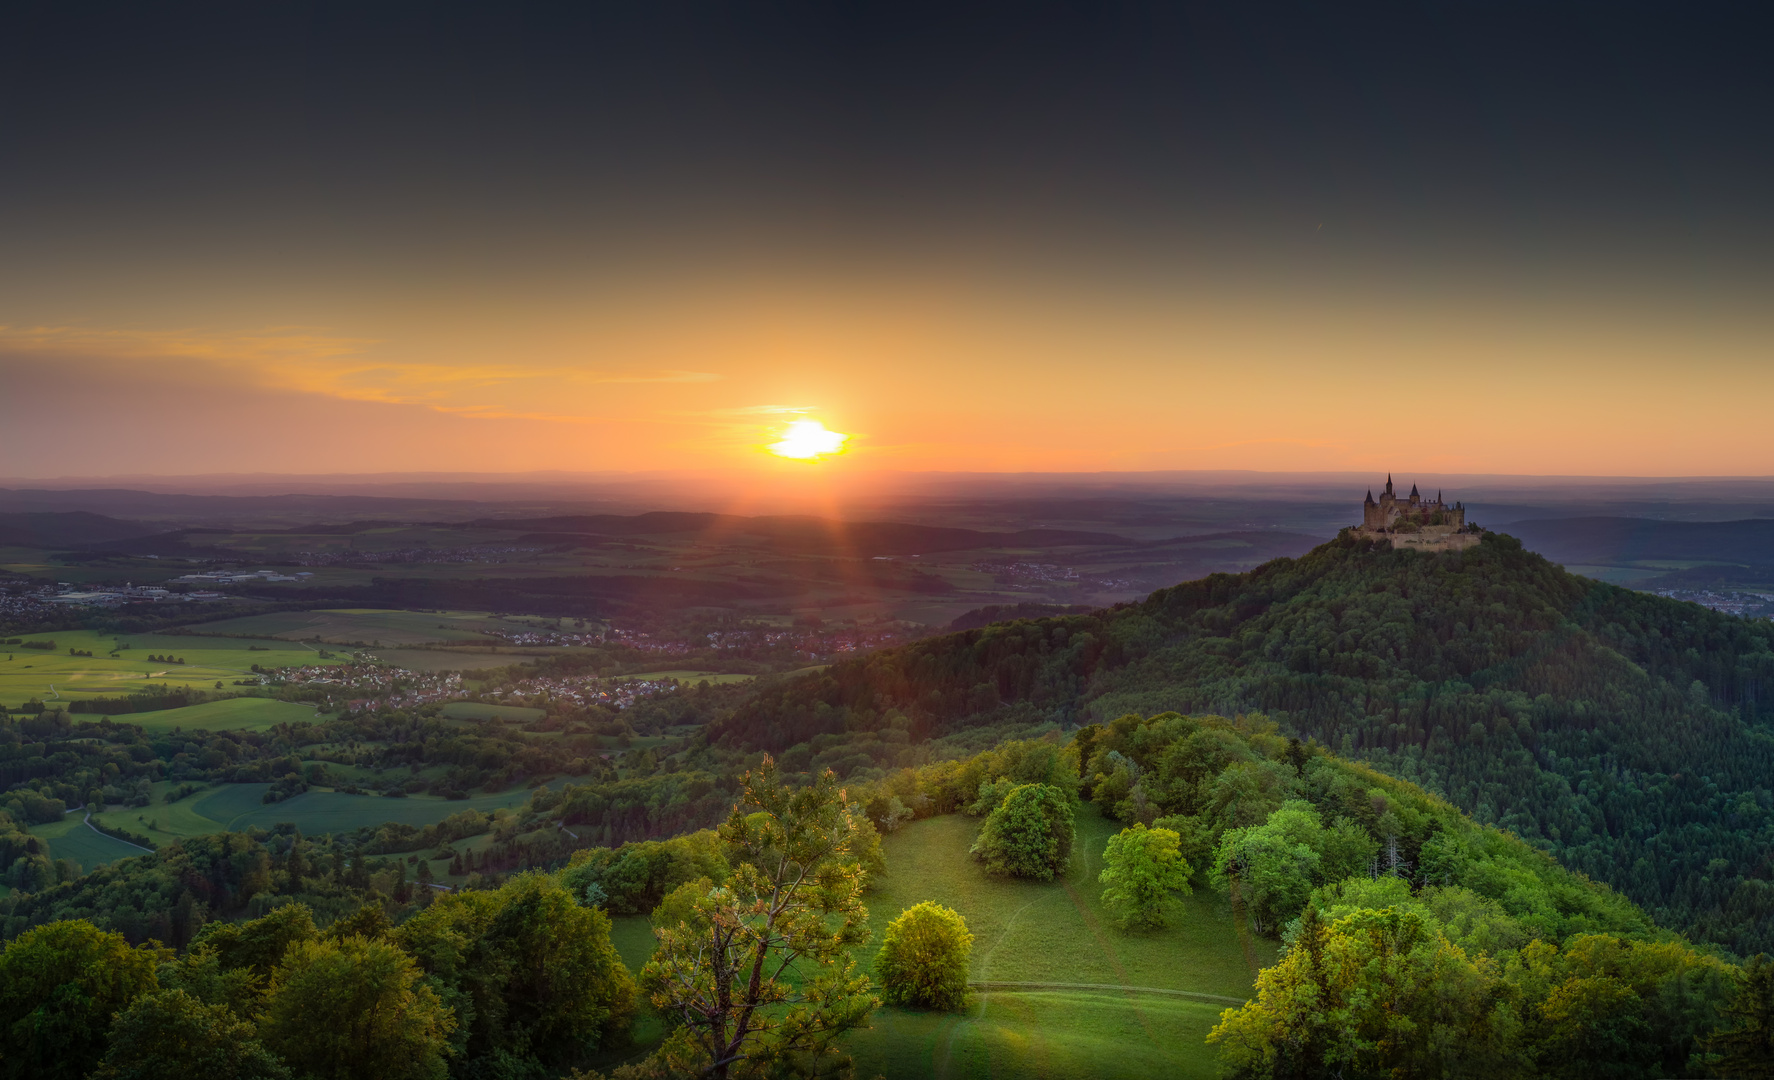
(229, 714)
(1064, 994)
(120, 664)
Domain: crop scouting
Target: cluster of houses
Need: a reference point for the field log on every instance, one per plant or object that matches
(128, 594)
(239, 577)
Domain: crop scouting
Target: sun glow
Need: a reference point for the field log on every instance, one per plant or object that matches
(808, 440)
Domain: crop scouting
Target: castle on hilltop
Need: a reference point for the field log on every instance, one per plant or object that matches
(1416, 522)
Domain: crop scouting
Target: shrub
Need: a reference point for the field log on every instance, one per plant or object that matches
(1029, 835)
(924, 958)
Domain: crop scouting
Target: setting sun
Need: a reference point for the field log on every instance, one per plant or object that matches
(808, 440)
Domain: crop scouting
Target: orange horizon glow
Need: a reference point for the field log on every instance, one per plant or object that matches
(981, 375)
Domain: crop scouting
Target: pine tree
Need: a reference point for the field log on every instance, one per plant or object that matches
(1746, 1050)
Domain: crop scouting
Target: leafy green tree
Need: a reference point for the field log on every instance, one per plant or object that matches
(352, 1009)
(60, 984)
(1029, 834)
(925, 958)
(1374, 994)
(1271, 868)
(794, 901)
(1746, 1048)
(258, 946)
(530, 972)
(170, 1035)
(1144, 875)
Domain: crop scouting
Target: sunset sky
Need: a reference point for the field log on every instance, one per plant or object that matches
(1453, 237)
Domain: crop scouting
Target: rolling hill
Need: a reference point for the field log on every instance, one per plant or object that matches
(1631, 735)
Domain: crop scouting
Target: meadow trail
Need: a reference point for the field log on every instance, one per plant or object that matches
(942, 1067)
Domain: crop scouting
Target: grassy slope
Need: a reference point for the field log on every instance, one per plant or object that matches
(237, 807)
(231, 714)
(71, 839)
(1042, 933)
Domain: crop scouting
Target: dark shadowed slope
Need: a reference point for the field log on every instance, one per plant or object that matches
(76, 528)
(1617, 540)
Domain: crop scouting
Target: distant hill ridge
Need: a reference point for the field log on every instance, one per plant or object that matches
(1591, 540)
(802, 534)
(1631, 735)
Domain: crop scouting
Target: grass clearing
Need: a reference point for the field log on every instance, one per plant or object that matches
(1045, 934)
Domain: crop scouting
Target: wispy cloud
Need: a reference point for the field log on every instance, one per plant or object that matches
(305, 360)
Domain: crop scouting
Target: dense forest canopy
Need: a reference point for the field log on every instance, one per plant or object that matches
(1629, 734)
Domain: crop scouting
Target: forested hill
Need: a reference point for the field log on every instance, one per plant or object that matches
(1631, 735)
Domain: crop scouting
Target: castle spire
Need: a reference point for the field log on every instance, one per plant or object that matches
(1370, 496)
(1414, 494)
(1388, 483)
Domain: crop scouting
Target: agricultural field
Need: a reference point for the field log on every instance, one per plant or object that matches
(120, 664)
(347, 626)
(1093, 1001)
(239, 806)
(71, 839)
(229, 714)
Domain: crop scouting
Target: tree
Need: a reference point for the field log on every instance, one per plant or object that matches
(354, 1009)
(1271, 868)
(794, 900)
(170, 1035)
(60, 984)
(1029, 834)
(1746, 1049)
(1374, 994)
(1145, 874)
(260, 944)
(924, 958)
(530, 972)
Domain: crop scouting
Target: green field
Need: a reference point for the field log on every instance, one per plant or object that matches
(237, 806)
(1045, 935)
(348, 625)
(230, 714)
(71, 839)
(115, 671)
(472, 710)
